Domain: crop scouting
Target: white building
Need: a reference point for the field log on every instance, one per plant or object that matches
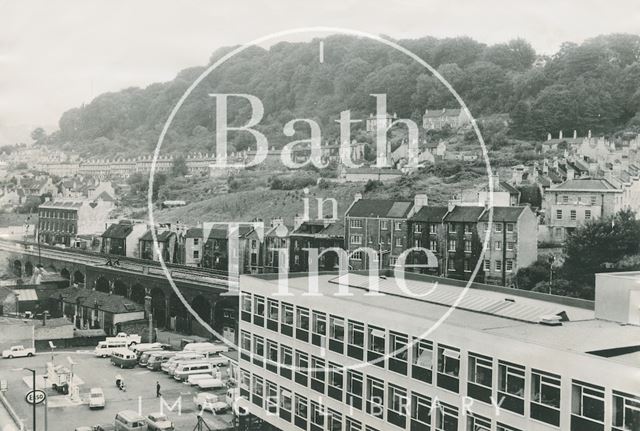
(549, 363)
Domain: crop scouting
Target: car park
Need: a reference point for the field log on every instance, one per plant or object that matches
(156, 359)
(206, 349)
(210, 383)
(159, 422)
(104, 427)
(96, 398)
(171, 364)
(105, 348)
(128, 420)
(184, 370)
(194, 378)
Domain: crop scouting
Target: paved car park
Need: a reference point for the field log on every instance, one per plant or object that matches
(140, 394)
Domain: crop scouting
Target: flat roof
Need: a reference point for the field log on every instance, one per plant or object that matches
(502, 312)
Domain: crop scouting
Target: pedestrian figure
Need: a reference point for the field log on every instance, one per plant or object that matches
(157, 389)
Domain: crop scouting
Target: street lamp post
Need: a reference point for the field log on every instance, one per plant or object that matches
(147, 306)
(33, 372)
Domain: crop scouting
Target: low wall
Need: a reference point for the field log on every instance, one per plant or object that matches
(17, 423)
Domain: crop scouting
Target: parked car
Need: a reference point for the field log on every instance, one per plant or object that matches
(128, 338)
(159, 422)
(105, 348)
(104, 427)
(211, 402)
(194, 378)
(83, 428)
(123, 358)
(96, 398)
(128, 420)
(18, 352)
(210, 383)
(156, 359)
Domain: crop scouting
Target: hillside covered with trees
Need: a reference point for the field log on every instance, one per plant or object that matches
(594, 85)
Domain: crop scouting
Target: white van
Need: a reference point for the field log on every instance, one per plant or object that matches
(128, 420)
(105, 348)
(170, 365)
(184, 370)
(232, 395)
(207, 349)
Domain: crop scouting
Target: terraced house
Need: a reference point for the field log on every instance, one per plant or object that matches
(381, 226)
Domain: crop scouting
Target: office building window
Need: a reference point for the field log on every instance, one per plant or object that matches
(511, 386)
(573, 215)
(317, 416)
(587, 404)
(356, 223)
(334, 420)
(626, 411)
(258, 310)
(587, 214)
(319, 329)
(448, 368)
(510, 227)
(272, 314)
(335, 381)
(446, 417)
(420, 412)
(285, 404)
(258, 350)
(375, 397)
(355, 384)
(498, 265)
(397, 407)
(422, 360)
(545, 397)
(257, 390)
(503, 427)
(286, 359)
(302, 324)
(302, 367)
(355, 339)
(353, 425)
(317, 374)
(478, 423)
(286, 319)
(271, 397)
(376, 338)
(272, 356)
(399, 352)
(336, 334)
(300, 411)
(559, 214)
(480, 377)
(245, 345)
(246, 302)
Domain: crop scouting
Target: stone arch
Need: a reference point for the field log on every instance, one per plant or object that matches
(102, 284)
(120, 288)
(78, 277)
(158, 307)
(138, 293)
(179, 316)
(64, 272)
(17, 268)
(52, 268)
(28, 269)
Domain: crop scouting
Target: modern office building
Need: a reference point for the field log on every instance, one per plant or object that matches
(503, 359)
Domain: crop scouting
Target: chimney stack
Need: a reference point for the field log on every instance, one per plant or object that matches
(419, 201)
(357, 197)
(451, 205)
(560, 134)
(575, 134)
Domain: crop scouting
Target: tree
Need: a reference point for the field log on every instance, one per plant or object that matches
(599, 245)
(179, 167)
(527, 278)
(38, 135)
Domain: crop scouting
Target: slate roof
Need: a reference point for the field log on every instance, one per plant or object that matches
(586, 184)
(430, 214)
(334, 229)
(464, 214)
(377, 171)
(162, 236)
(503, 214)
(114, 304)
(383, 208)
(218, 231)
(106, 197)
(118, 230)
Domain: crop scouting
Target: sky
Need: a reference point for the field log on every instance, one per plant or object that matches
(57, 55)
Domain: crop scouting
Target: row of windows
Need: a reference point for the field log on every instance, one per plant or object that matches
(57, 226)
(593, 200)
(357, 240)
(573, 215)
(396, 406)
(508, 265)
(384, 224)
(391, 350)
(65, 215)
